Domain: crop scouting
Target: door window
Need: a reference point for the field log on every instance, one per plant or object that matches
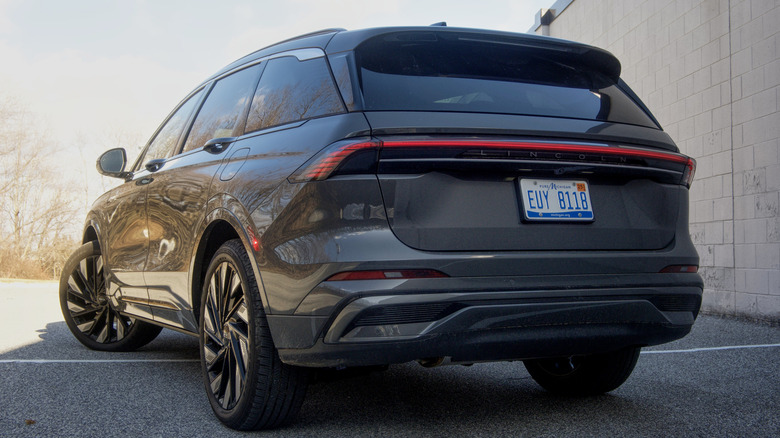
(223, 108)
(167, 138)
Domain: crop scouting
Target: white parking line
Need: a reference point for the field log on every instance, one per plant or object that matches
(44, 361)
(98, 360)
(696, 350)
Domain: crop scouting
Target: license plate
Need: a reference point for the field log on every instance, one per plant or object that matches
(555, 200)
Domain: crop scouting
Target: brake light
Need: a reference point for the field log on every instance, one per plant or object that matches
(331, 158)
(624, 151)
(690, 170)
(326, 162)
(404, 274)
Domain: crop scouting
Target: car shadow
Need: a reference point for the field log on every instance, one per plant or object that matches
(56, 343)
(498, 398)
(407, 399)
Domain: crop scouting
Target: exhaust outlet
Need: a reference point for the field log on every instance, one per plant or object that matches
(431, 362)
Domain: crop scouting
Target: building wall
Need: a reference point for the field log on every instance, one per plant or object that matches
(709, 71)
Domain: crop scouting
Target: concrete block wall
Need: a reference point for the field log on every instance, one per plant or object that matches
(710, 72)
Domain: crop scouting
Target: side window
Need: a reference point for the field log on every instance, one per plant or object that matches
(223, 108)
(292, 90)
(164, 144)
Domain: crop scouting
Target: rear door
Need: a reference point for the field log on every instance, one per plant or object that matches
(177, 197)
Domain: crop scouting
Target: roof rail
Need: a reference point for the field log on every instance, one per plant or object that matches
(311, 34)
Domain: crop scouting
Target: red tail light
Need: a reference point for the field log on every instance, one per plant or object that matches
(540, 146)
(325, 163)
(404, 274)
(328, 161)
(690, 170)
(680, 269)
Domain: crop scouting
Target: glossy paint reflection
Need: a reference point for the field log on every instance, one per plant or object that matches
(176, 204)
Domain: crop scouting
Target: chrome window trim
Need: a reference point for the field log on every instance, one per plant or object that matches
(300, 54)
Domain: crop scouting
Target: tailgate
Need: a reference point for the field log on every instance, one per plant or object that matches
(466, 194)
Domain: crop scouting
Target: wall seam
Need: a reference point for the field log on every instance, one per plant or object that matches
(731, 146)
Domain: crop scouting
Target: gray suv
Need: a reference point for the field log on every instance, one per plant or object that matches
(371, 197)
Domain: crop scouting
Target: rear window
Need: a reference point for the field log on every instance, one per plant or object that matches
(460, 72)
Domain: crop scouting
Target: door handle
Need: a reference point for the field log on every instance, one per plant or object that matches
(154, 165)
(217, 145)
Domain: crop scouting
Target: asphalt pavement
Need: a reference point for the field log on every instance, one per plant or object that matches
(721, 380)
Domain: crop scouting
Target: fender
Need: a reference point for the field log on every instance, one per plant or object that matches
(225, 208)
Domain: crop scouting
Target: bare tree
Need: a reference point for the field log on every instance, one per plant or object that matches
(89, 148)
(275, 106)
(36, 197)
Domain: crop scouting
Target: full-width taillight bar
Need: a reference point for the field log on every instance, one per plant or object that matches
(326, 162)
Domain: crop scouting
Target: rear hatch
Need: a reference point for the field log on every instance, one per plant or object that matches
(476, 194)
(489, 142)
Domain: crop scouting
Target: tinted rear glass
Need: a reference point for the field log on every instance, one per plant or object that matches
(458, 72)
(292, 90)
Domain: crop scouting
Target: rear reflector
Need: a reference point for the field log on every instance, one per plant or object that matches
(404, 274)
(680, 269)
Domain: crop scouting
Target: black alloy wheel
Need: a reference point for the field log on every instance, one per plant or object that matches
(226, 335)
(89, 312)
(248, 386)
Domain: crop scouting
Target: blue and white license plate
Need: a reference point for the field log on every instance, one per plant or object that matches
(556, 200)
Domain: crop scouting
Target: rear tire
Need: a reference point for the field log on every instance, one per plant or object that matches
(584, 375)
(248, 386)
(90, 313)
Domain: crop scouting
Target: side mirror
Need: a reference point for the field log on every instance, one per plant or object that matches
(112, 163)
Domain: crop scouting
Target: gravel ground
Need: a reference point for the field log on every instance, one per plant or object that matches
(721, 380)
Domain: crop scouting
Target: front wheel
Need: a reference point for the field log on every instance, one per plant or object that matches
(248, 386)
(90, 313)
(584, 375)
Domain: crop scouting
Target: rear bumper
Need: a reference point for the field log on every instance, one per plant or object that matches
(403, 321)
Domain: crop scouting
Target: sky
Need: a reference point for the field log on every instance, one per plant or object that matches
(99, 74)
